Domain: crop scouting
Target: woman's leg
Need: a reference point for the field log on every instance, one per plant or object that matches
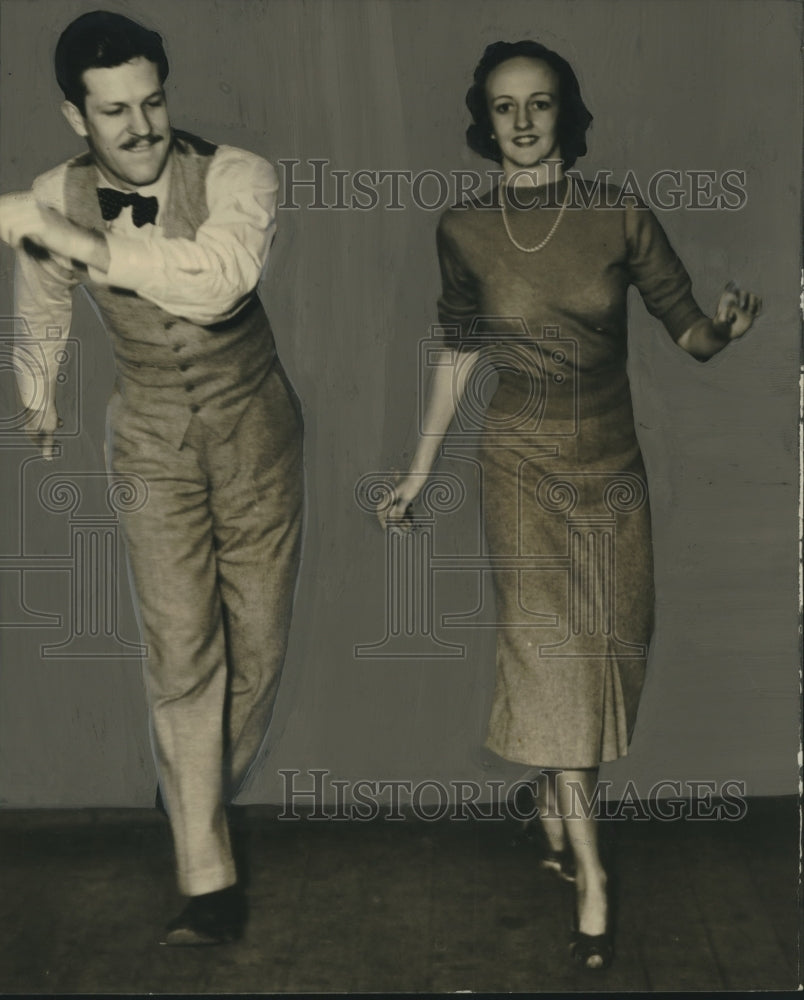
(544, 790)
(575, 792)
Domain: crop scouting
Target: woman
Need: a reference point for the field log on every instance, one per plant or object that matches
(564, 500)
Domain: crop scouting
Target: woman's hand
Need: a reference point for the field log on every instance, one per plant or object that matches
(734, 316)
(394, 511)
(736, 311)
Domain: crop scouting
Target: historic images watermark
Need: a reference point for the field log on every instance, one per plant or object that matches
(82, 619)
(28, 360)
(322, 187)
(316, 795)
(541, 413)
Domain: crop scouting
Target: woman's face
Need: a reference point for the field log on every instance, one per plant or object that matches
(523, 100)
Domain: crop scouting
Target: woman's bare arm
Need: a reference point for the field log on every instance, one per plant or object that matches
(445, 393)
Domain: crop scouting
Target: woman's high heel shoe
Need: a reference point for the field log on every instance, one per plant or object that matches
(595, 951)
(560, 863)
(592, 951)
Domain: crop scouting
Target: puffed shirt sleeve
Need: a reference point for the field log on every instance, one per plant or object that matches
(43, 286)
(656, 271)
(459, 303)
(206, 279)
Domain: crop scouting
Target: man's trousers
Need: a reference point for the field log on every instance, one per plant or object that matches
(214, 555)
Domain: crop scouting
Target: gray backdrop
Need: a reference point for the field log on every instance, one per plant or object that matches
(379, 84)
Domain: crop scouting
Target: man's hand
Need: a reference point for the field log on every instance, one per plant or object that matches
(40, 426)
(22, 217)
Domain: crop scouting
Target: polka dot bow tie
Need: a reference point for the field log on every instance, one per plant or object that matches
(112, 203)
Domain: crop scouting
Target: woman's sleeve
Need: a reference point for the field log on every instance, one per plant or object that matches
(458, 304)
(657, 272)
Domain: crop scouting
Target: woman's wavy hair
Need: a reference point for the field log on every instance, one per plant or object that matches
(573, 115)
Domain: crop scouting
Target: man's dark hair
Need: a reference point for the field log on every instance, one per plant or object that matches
(573, 115)
(102, 39)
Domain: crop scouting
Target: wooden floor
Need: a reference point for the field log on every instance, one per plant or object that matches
(397, 907)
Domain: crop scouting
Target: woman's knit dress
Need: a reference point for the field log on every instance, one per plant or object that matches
(564, 499)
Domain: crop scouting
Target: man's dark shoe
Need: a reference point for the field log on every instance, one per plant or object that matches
(213, 918)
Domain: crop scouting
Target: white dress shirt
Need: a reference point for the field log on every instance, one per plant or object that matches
(203, 280)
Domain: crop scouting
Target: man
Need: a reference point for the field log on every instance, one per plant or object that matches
(169, 234)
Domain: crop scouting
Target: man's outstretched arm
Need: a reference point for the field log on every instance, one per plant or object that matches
(204, 279)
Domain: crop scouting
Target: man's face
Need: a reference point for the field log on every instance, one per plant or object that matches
(125, 122)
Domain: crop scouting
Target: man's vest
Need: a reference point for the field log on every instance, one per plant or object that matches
(169, 368)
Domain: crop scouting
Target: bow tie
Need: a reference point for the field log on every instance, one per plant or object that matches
(112, 203)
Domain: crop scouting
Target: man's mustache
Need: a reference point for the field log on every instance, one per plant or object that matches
(150, 139)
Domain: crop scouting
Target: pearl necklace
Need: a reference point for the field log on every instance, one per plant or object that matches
(549, 236)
